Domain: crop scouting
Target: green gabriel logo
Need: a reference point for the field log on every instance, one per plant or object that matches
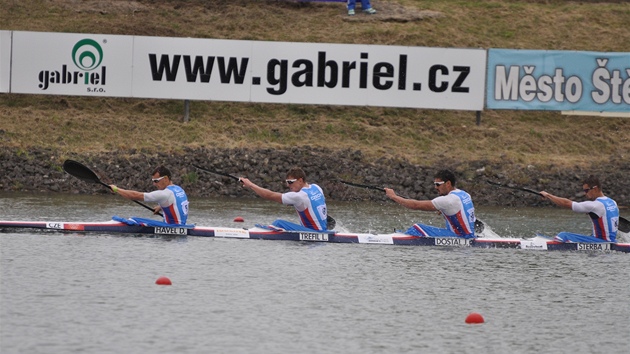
(87, 55)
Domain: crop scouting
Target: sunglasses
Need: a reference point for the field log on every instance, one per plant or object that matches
(156, 180)
(588, 189)
(437, 184)
(291, 181)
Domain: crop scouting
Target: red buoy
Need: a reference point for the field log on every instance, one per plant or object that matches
(474, 317)
(238, 219)
(163, 281)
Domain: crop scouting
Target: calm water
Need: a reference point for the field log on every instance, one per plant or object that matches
(96, 293)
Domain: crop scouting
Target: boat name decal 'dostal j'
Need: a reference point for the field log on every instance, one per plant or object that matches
(452, 241)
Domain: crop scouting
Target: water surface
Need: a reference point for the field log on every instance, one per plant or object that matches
(96, 293)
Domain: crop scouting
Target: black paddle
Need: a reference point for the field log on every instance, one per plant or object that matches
(367, 186)
(217, 172)
(624, 224)
(479, 226)
(363, 186)
(516, 188)
(329, 220)
(84, 173)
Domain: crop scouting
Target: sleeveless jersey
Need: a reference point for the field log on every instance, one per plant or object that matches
(604, 215)
(173, 201)
(310, 206)
(458, 211)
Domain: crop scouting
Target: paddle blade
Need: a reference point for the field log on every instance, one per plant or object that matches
(331, 222)
(624, 225)
(479, 226)
(80, 171)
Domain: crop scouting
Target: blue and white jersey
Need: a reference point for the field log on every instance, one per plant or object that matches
(173, 201)
(310, 205)
(604, 215)
(458, 211)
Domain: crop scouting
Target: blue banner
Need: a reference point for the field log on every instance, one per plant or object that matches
(558, 80)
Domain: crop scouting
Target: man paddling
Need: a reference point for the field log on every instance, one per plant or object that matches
(307, 199)
(602, 210)
(171, 199)
(454, 204)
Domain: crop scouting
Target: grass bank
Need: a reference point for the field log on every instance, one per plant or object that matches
(84, 125)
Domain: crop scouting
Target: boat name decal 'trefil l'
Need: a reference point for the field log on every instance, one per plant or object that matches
(313, 236)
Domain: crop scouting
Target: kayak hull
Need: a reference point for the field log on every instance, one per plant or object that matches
(115, 227)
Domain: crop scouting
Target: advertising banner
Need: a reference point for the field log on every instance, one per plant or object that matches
(248, 71)
(309, 73)
(558, 80)
(71, 64)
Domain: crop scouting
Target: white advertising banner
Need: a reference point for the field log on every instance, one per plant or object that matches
(71, 64)
(309, 73)
(5, 61)
(248, 71)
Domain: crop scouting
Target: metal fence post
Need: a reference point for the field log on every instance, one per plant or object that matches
(186, 111)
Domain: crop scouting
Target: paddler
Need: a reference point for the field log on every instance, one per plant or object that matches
(171, 199)
(307, 199)
(454, 204)
(602, 210)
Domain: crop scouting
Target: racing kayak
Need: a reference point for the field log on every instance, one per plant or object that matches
(271, 233)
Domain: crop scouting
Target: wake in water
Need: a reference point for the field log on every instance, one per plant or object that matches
(623, 237)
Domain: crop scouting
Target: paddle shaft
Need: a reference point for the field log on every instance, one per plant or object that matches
(363, 186)
(516, 188)
(146, 206)
(366, 186)
(217, 172)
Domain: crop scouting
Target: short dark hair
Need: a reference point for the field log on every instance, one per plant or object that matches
(592, 181)
(446, 175)
(163, 171)
(297, 173)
